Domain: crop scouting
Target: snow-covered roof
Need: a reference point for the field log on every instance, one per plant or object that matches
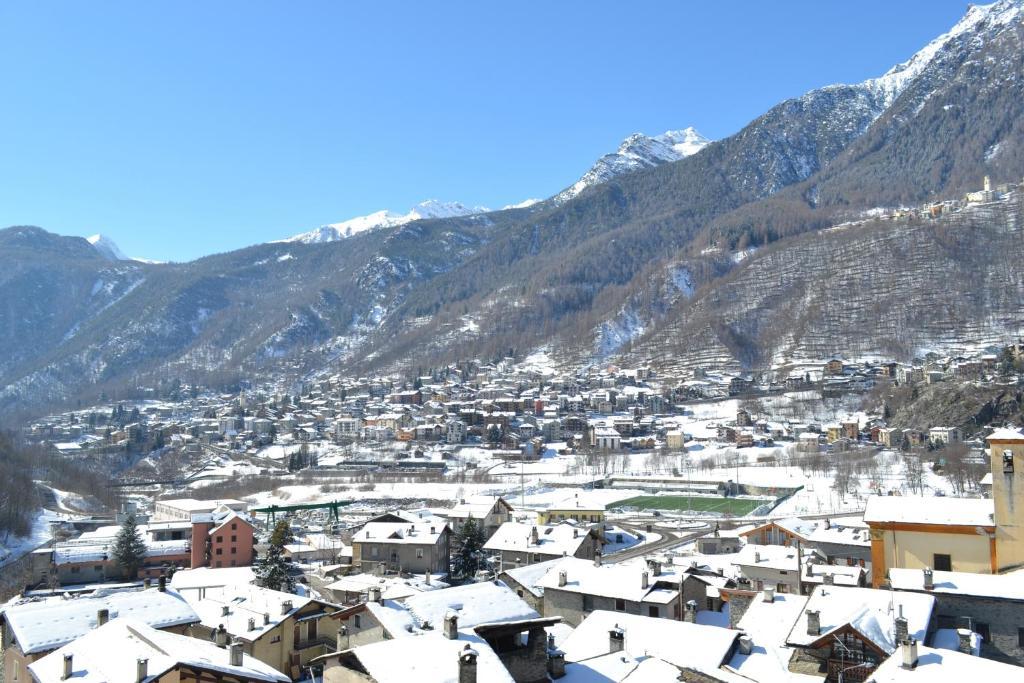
(871, 612)
(677, 642)
(43, 625)
(779, 557)
(474, 604)
(209, 577)
(429, 658)
(1005, 434)
(1001, 586)
(529, 576)
(944, 666)
(109, 654)
(556, 539)
(919, 510)
(392, 587)
(244, 602)
(767, 624)
(393, 617)
(621, 580)
(400, 533)
(474, 506)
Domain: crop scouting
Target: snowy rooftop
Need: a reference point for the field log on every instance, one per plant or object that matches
(943, 666)
(1003, 586)
(555, 539)
(871, 612)
(393, 617)
(767, 624)
(621, 580)
(677, 642)
(529, 576)
(1005, 434)
(475, 506)
(245, 602)
(392, 587)
(400, 532)
(918, 510)
(474, 604)
(43, 625)
(429, 658)
(208, 577)
(109, 654)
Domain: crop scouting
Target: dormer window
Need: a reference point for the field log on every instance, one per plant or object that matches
(1008, 462)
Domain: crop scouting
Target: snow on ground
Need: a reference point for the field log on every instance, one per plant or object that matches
(13, 548)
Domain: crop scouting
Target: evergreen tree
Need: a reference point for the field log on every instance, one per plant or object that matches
(129, 551)
(273, 570)
(469, 549)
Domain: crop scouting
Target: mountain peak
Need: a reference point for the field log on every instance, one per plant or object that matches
(106, 247)
(431, 208)
(636, 152)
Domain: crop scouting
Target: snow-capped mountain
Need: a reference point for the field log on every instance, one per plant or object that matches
(106, 247)
(636, 152)
(431, 208)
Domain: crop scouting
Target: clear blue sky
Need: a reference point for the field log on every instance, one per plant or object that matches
(185, 128)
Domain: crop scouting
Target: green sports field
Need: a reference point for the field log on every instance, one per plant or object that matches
(726, 506)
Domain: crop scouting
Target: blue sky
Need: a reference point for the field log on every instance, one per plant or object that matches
(185, 128)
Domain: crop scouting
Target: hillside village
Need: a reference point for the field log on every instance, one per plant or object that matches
(556, 523)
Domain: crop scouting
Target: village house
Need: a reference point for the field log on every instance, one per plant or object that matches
(416, 547)
(839, 627)
(35, 627)
(127, 650)
(282, 630)
(521, 544)
(490, 512)
(947, 534)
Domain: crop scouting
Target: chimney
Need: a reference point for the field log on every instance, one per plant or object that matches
(102, 616)
(575, 533)
(556, 660)
(69, 667)
(225, 610)
(746, 645)
(810, 568)
(929, 579)
(373, 594)
(534, 538)
(451, 626)
(828, 579)
(964, 641)
(220, 637)
(768, 595)
(426, 578)
(757, 556)
(813, 622)
(342, 641)
(655, 566)
(286, 606)
(266, 618)
(828, 523)
(252, 624)
(562, 578)
(141, 669)
(467, 665)
(235, 653)
(645, 580)
(902, 629)
(597, 558)
(909, 650)
(145, 583)
(162, 584)
(616, 639)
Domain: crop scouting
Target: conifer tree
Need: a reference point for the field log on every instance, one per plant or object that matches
(129, 551)
(469, 549)
(273, 570)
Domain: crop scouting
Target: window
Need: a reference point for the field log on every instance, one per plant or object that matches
(782, 588)
(234, 550)
(75, 570)
(374, 551)
(943, 563)
(652, 611)
(620, 605)
(588, 603)
(16, 668)
(220, 539)
(357, 620)
(234, 525)
(982, 629)
(220, 551)
(519, 592)
(1020, 637)
(1007, 462)
(234, 538)
(419, 553)
(275, 639)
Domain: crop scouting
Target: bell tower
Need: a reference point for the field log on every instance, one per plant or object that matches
(1006, 456)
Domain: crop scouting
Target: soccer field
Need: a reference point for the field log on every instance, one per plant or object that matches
(727, 506)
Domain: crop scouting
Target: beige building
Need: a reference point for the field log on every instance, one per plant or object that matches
(946, 534)
(1006, 448)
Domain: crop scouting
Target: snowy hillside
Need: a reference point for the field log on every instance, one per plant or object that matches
(431, 208)
(636, 152)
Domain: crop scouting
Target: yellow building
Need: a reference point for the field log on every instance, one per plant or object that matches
(572, 510)
(1006, 448)
(946, 534)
